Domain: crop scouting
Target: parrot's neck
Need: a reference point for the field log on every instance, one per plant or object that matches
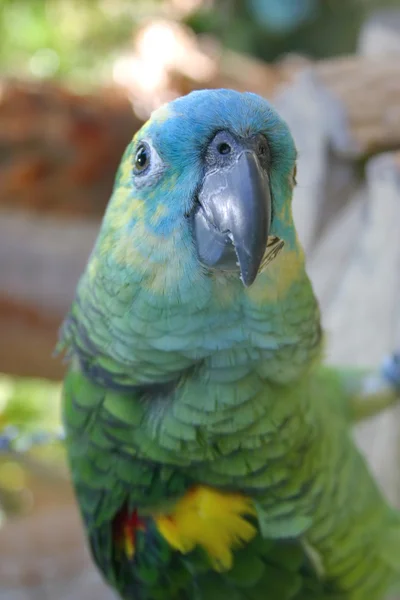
(127, 334)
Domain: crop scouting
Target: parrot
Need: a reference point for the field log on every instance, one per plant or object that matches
(210, 447)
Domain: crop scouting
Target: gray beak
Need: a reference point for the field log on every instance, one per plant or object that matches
(232, 221)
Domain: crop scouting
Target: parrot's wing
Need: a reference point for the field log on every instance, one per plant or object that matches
(113, 486)
(129, 540)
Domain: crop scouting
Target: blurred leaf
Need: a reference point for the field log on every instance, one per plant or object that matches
(29, 403)
(30, 430)
(81, 36)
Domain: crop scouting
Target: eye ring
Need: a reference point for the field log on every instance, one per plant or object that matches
(141, 159)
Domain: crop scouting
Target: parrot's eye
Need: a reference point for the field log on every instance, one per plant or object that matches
(147, 166)
(295, 175)
(224, 148)
(142, 158)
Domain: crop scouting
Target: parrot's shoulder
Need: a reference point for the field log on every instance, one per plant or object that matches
(103, 428)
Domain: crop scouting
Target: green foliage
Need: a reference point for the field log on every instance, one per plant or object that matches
(29, 404)
(67, 38)
(79, 39)
(29, 433)
(238, 24)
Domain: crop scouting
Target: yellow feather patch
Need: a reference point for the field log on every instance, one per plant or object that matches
(159, 213)
(277, 279)
(211, 519)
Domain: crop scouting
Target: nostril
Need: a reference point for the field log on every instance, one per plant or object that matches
(224, 148)
(262, 149)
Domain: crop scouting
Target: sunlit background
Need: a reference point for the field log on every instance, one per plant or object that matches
(77, 80)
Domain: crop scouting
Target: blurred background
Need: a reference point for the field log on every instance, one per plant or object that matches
(78, 78)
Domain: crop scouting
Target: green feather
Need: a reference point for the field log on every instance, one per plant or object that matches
(182, 377)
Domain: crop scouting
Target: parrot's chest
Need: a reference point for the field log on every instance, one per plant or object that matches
(239, 431)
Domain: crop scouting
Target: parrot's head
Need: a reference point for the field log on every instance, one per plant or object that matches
(197, 251)
(205, 187)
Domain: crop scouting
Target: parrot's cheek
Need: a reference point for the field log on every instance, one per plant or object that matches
(274, 247)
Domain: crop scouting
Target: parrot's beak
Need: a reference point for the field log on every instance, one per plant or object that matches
(233, 217)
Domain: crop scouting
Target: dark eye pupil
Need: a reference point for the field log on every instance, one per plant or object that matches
(262, 149)
(141, 157)
(224, 148)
